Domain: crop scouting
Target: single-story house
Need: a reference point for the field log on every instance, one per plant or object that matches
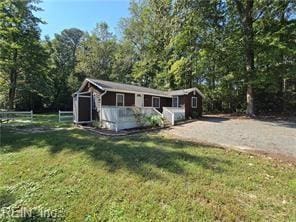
(116, 105)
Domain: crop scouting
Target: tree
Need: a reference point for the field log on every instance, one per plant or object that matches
(64, 50)
(229, 49)
(276, 57)
(20, 46)
(148, 30)
(96, 54)
(246, 18)
(124, 59)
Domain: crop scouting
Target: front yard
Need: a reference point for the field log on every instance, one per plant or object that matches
(144, 177)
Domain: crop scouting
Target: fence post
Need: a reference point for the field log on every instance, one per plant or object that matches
(116, 120)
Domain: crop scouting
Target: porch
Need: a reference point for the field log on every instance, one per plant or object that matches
(119, 118)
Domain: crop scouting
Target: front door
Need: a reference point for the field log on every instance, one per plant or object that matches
(139, 100)
(84, 108)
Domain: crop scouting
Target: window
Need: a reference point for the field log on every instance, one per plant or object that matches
(175, 101)
(194, 102)
(156, 102)
(119, 99)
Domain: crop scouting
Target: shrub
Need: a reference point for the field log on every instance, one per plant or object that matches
(154, 120)
(195, 114)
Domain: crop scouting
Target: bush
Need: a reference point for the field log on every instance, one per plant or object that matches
(154, 120)
(195, 114)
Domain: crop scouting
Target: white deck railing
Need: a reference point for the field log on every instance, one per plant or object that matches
(12, 115)
(65, 115)
(173, 114)
(118, 118)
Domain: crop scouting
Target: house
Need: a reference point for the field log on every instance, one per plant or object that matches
(116, 105)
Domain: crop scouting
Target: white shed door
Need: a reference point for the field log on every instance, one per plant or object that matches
(139, 100)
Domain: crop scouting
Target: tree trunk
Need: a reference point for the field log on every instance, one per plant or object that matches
(282, 79)
(250, 102)
(247, 26)
(12, 85)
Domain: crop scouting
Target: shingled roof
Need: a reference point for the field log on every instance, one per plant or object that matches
(121, 87)
(184, 92)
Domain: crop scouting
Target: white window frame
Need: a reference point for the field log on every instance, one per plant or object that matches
(177, 101)
(155, 97)
(120, 94)
(194, 97)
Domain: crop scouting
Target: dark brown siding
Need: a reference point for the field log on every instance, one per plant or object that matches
(164, 101)
(129, 99)
(109, 99)
(182, 100)
(85, 89)
(189, 111)
(147, 100)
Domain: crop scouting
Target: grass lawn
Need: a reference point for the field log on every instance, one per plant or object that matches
(145, 177)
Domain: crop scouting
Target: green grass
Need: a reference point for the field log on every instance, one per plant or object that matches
(145, 177)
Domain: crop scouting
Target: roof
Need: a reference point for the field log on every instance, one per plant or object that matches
(121, 87)
(185, 92)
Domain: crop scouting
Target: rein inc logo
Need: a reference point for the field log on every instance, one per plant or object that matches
(32, 213)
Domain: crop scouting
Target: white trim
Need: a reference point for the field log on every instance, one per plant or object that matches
(119, 94)
(84, 96)
(159, 113)
(177, 101)
(91, 111)
(193, 97)
(188, 91)
(156, 97)
(90, 100)
(199, 92)
(92, 82)
(81, 93)
(77, 121)
(101, 105)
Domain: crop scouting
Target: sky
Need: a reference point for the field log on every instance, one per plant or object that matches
(82, 14)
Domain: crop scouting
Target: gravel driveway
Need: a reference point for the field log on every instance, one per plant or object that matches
(270, 136)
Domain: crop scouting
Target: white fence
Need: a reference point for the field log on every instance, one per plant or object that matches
(173, 114)
(65, 115)
(5, 116)
(118, 118)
